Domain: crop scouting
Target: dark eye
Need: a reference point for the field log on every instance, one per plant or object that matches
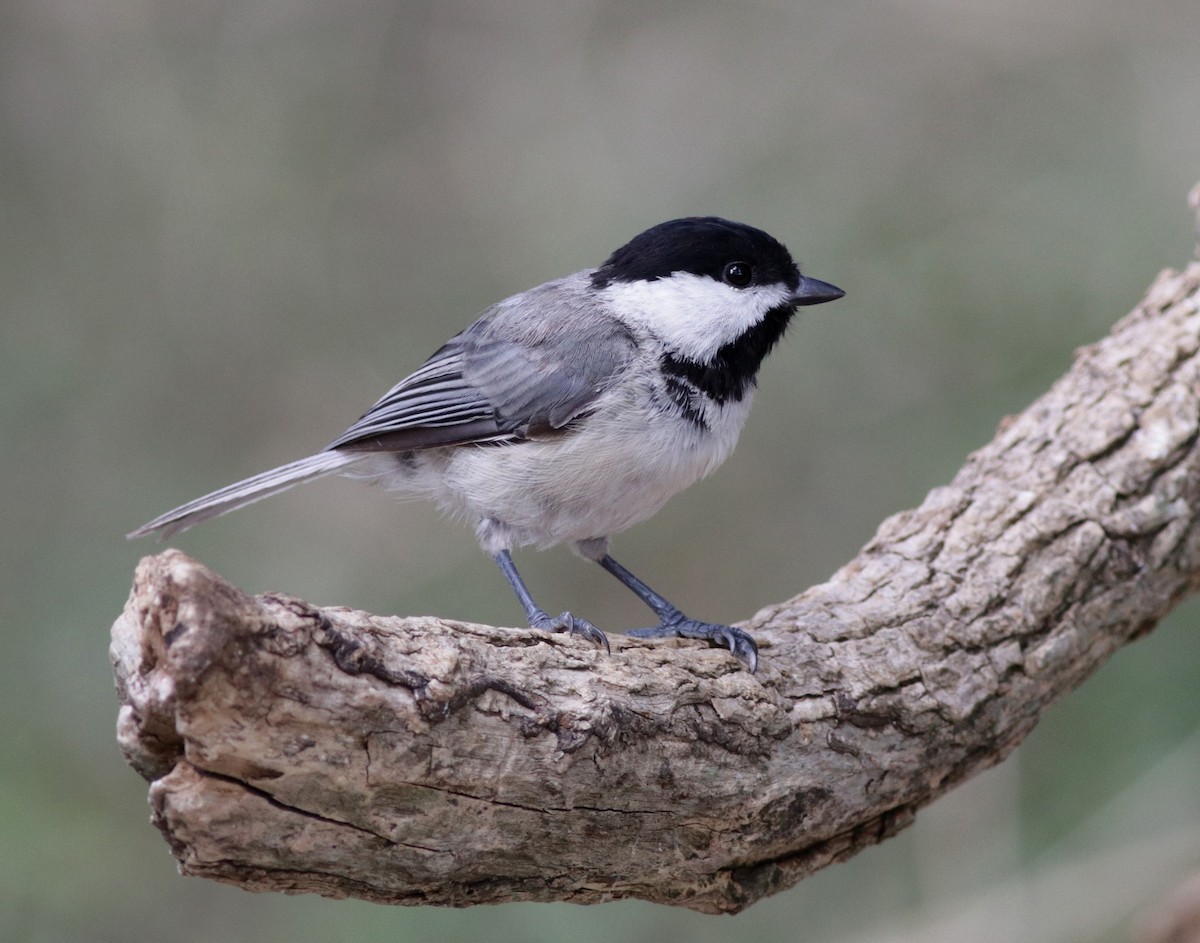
(738, 274)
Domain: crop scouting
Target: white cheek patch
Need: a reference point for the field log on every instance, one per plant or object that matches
(694, 315)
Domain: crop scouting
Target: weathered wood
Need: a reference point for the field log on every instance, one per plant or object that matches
(422, 761)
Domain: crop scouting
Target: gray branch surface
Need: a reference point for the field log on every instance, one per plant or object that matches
(423, 761)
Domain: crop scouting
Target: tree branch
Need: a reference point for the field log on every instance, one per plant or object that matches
(419, 761)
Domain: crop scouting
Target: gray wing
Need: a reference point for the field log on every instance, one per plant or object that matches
(498, 381)
(433, 406)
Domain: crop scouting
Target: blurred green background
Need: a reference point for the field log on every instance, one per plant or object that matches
(226, 228)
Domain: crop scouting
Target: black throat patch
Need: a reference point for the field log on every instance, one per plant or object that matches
(733, 368)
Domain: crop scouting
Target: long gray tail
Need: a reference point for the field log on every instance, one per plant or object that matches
(241, 493)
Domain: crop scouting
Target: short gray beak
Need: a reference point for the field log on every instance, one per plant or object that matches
(810, 291)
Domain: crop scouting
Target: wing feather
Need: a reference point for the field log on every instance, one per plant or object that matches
(432, 406)
(498, 381)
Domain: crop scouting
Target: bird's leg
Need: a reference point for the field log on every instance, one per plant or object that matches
(675, 623)
(536, 616)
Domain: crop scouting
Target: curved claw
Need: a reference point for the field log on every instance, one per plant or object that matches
(573, 626)
(739, 643)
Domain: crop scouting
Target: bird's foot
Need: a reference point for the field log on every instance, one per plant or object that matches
(571, 625)
(738, 642)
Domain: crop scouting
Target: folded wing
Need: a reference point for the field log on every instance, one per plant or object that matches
(495, 382)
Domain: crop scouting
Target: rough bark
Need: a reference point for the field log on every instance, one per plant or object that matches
(419, 761)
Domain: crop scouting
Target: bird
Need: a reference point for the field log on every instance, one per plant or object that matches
(574, 410)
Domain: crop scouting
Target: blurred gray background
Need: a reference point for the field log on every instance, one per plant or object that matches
(226, 228)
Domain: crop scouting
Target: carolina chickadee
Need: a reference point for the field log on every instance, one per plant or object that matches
(574, 410)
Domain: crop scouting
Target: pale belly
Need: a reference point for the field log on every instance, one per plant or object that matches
(577, 487)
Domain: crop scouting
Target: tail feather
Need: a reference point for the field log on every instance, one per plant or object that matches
(241, 493)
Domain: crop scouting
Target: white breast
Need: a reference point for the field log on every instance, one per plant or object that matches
(618, 470)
